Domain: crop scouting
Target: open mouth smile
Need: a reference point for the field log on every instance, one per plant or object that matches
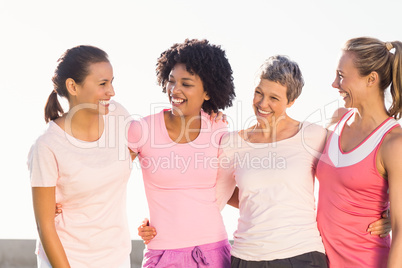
(177, 101)
(343, 94)
(262, 111)
(104, 102)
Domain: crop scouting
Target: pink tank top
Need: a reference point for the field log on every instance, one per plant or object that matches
(352, 195)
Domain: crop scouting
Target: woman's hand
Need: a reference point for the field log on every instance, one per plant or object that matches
(146, 232)
(381, 227)
(218, 116)
(58, 210)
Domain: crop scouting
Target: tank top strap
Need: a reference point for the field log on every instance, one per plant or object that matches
(339, 127)
(341, 159)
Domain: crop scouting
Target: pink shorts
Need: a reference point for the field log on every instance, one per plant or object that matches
(216, 255)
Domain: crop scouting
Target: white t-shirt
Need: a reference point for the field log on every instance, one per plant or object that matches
(90, 180)
(276, 194)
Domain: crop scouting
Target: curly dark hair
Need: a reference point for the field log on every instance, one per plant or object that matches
(206, 60)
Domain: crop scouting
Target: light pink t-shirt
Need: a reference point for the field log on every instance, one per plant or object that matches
(179, 181)
(276, 194)
(90, 180)
(352, 195)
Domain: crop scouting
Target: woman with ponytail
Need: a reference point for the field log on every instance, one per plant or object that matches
(360, 172)
(53, 108)
(73, 163)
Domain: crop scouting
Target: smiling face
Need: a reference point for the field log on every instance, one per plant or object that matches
(96, 89)
(270, 101)
(349, 82)
(186, 92)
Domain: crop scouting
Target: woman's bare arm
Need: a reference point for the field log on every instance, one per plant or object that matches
(44, 209)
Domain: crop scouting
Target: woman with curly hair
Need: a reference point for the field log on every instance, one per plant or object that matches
(178, 149)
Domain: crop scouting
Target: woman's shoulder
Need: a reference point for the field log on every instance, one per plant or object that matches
(229, 139)
(211, 123)
(313, 129)
(141, 128)
(313, 137)
(117, 109)
(50, 139)
(390, 151)
(51, 131)
(156, 118)
(394, 138)
(338, 115)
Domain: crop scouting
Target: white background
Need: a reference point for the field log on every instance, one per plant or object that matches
(33, 34)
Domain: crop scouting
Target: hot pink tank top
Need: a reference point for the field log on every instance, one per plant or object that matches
(352, 195)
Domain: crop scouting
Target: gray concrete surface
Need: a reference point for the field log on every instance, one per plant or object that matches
(20, 253)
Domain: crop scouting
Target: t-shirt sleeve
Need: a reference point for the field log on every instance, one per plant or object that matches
(119, 118)
(42, 165)
(119, 110)
(313, 138)
(137, 135)
(225, 183)
(218, 129)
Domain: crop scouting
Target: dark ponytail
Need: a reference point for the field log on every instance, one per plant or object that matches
(53, 109)
(74, 64)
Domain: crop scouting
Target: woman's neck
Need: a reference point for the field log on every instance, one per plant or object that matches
(182, 129)
(370, 113)
(83, 125)
(278, 129)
